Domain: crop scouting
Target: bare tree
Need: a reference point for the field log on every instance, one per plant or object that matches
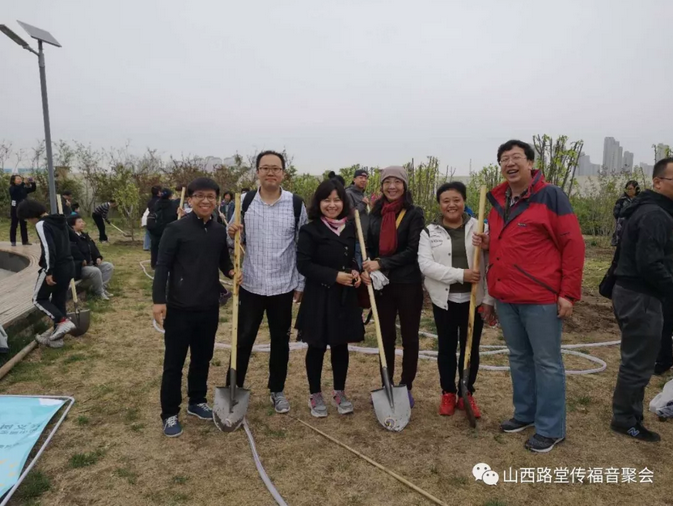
(5, 152)
(558, 160)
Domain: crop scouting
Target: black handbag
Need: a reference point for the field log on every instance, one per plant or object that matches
(607, 284)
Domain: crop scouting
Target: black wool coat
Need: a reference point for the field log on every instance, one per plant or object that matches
(329, 312)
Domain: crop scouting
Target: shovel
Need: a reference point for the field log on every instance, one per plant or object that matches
(231, 402)
(391, 404)
(125, 234)
(81, 317)
(464, 390)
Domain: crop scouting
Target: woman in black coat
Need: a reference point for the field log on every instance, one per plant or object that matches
(631, 190)
(395, 226)
(18, 192)
(329, 312)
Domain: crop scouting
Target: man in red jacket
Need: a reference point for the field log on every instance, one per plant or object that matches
(536, 256)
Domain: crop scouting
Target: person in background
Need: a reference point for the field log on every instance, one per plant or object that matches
(75, 208)
(329, 314)
(395, 226)
(336, 177)
(154, 197)
(631, 190)
(445, 256)
(270, 277)
(357, 200)
(99, 216)
(191, 252)
(165, 211)
(89, 264)
(18, 192)
(536, 258)
(66, 202)
(644, 280)
(186, 208)
(227, 206)
(56, 269)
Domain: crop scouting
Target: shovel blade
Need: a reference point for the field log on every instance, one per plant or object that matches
(465, 394)
(227, 416)
(392, 418)
(82, 319)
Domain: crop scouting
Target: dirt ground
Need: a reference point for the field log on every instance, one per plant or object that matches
(111, 451)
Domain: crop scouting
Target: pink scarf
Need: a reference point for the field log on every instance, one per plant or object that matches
(335, 226)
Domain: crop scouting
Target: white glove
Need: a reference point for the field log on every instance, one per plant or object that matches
(379, 280)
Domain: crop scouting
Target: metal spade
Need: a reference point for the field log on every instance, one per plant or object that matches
(231, 402)
(391, 403)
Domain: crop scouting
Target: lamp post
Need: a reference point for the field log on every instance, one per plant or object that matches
(41, 36)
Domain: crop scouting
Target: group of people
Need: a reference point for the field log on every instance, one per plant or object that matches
(67, 252)
(530, 275)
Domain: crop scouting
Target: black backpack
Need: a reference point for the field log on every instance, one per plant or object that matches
(297, 204)
(155, 221)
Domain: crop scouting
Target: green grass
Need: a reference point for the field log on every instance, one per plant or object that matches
(495, 502)
(79, 460)
(82, 420)
(179, 479)
(77, 357)
(35, 484)
(130, 476)
(216, 362)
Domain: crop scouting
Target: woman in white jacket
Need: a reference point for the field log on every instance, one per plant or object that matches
(445, 256)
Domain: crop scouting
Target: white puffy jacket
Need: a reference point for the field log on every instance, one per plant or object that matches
(434, 259)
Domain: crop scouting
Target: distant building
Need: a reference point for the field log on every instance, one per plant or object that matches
(628, 161)
(661, 151)
(647, 169)
(585, 167)
(21, 172)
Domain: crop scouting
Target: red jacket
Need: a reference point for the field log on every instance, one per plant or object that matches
(537, 255)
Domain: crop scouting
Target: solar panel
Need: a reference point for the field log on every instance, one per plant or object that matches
(39, 34)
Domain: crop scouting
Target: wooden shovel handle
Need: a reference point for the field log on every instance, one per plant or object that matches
(237, 270)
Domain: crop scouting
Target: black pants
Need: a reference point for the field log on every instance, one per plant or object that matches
(665, 357)
(279, 315)
(452, 326)
(14, 225)
(405, 300)
(51, 299)
(154, 249)
(193, 330)
(314, 361)
(640, 320)
(100, 223)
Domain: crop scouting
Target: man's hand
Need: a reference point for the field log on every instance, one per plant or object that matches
(237, 280)
(565, 308)
(181, 212)
(481, 240)
(107, 221)
(371, 265)
(298, 296)
(233, 228)
(99, 261)
(487, 313)
(159, 312)
(83, 263)
(365, 200)
(470, 276)
(50, 280)
(366, 278)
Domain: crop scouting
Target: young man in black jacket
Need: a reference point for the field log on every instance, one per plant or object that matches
(18, 192)
(191, 252)
(644, 279)
(56, 268)
(89, 265)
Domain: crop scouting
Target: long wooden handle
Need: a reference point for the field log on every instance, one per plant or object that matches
(370, 290)
(182, 199)
(73, 289)
(475, 286)
(59, 204)
(237, 270)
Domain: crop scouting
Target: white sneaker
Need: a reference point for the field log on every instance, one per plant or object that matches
(109, 294)
(56, 344)
(103, 296)
(62, 329)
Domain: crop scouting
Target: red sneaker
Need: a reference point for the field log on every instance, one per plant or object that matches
(473, 404)
(448, 405)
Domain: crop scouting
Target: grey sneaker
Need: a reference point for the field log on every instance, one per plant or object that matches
(317, 405)
(344, 406)
(42, 339)
(62, 329)
(542, 444)
(280, 402)
(103, 296)
(109, 294)
(55, 344)
(514, 425)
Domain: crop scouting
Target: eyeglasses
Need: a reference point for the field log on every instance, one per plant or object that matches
(203, 196)
(666, 178)
(514, 158)
(392, 182)
(272, 170)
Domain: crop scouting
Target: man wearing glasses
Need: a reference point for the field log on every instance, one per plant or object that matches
(271, 218)
(191, 252)
(536, 257)
(644, 278)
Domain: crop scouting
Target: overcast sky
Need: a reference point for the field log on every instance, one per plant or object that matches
(338, 83)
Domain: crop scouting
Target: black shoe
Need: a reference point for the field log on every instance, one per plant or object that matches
(542, 444)
(637, 432)
(515, 425)
(14, 244)
(660, 370)
(27, 244)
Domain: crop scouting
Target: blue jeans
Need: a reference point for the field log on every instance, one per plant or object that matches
(533, 335)
(148, 241)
